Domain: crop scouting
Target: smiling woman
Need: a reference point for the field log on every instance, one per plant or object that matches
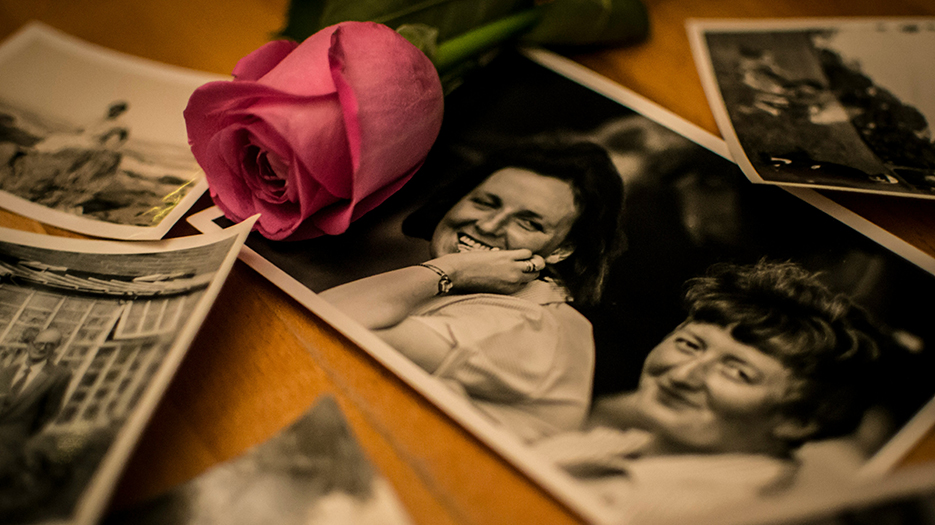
(513, 242)
(767, 359)
(514, 207)
(705, 391)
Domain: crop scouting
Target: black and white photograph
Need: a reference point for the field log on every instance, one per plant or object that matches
(588, 284)
(90, 334)
(314, 471)
(94, 141)
(844, 104)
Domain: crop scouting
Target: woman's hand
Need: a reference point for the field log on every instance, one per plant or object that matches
(498, 271)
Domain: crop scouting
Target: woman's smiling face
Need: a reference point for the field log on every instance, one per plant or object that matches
(512, 209)
(703, 391)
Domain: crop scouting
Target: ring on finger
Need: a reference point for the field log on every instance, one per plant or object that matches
(530, 267)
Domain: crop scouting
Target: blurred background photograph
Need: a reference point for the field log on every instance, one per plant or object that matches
(94, 142)
(825, 103)
(83, 335)
(313, 471)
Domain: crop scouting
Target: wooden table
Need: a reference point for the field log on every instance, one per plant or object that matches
(239, 384)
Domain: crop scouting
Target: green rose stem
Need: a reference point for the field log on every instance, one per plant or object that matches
(403, 13)
(455, 51)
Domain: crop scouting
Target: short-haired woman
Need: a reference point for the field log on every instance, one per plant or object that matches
(767, 359)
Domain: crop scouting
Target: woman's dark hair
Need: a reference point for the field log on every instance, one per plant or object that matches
(597, 234)
(826, 341)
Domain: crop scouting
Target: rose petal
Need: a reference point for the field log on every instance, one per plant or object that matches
(277, 221)
(228, 188)
(336, 219)
(265, 182)
(305, 70)
(282, 222)
(392, 108)
(319, 156)
(313, 125)
(261, 61)
(312, 130)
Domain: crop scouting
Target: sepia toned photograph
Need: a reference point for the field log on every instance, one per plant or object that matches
(94, 141)
(314, 471)
(90, 334)
(826, 103)
(588, 284)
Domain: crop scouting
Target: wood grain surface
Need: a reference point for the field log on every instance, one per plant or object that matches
(261, 359)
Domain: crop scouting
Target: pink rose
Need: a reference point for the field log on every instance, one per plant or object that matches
(314, 135)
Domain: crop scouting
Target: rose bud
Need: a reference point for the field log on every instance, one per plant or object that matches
(314, 135)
